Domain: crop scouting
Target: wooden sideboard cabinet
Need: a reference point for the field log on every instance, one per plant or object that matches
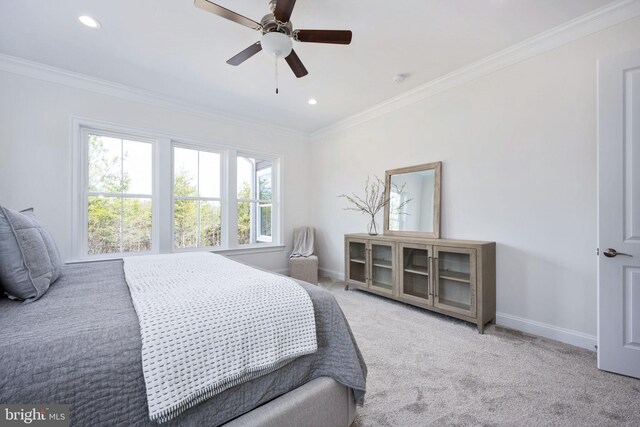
(452, 277)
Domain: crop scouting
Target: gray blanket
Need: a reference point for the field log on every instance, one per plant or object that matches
(80, 344)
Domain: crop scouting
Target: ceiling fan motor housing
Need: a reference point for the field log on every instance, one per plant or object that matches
(277, 33)
(270, 24)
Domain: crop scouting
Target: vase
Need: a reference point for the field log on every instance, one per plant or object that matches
(372, 229)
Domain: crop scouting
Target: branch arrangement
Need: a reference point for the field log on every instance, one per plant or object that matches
(374, 197)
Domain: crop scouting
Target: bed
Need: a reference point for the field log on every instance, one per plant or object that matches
(80, 344)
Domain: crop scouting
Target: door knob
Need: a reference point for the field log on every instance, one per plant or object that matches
(610, 253)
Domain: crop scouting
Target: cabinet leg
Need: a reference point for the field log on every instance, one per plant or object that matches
(481, 328)
(346, 286)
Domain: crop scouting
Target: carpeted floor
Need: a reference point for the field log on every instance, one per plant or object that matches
(427, 369)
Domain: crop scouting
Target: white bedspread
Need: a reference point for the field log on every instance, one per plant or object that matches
(209, 323)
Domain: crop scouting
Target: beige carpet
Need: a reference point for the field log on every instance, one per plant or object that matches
(427, 369)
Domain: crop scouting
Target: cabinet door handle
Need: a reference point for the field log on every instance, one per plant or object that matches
(436, 277)
(430, 283)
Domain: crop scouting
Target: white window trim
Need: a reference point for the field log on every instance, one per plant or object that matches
(221, 199)
(80, 191)
(259, 236)
(162, 198)
(276, 201)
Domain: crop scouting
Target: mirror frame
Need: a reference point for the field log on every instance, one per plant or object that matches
(437, 166)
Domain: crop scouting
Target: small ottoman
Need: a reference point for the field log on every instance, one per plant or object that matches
(304, 268)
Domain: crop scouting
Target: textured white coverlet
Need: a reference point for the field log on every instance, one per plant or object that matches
(208, 323)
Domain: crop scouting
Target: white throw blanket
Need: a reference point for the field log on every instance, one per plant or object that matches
(208, 323)
(304, 242)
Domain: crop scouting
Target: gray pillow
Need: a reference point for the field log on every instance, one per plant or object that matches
(29, 258)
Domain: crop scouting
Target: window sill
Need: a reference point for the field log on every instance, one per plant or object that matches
(245, 250)
(251, 249)
(241, 250)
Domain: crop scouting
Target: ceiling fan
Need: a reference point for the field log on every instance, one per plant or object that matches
(277, 33)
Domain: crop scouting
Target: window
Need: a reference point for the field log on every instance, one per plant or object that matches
(263, 223)
(255, 202)
(136, 192)
(119, 195)
(397, 205)
(197, 199)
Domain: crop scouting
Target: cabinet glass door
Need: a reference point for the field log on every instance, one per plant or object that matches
(455, 286)
(415, 273)
(357, 267)
(382, 267)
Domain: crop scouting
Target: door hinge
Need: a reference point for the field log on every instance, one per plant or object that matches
(597, 251)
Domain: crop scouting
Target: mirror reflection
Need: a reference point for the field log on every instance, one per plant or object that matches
(414, 200)
(411, 201)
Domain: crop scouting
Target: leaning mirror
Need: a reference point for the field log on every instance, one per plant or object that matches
(414, 201)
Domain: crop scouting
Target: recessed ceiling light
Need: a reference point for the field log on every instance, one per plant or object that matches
(399, 78)
(89, 21)
(313, 101)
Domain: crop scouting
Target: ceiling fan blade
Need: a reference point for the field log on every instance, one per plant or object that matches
(323, 36)
(283, 10)
(245, 54)
(226, 13)
(296, 65)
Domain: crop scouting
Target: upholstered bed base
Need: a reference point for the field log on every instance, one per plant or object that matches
(93, 346)
(321, 402)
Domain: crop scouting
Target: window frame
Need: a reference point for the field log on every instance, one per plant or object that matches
(81, 236)
(263, 238)
(221, 199)
(255, 202)
(162, 190)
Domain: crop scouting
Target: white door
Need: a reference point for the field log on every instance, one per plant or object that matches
(619, 213)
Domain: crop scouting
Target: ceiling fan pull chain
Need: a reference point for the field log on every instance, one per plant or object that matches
(276, 75)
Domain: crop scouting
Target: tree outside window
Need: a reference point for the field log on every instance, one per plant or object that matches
(197, 202)
(254, 200)
(116, 210)
(119, 205)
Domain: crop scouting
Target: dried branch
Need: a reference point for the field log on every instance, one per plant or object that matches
(374, 197)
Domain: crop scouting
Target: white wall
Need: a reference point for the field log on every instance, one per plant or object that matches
(519, 167)
(34, 151)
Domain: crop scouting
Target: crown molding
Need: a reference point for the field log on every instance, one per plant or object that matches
(590, 23)
(39, 71)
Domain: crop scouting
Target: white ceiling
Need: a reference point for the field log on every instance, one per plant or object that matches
(172, 48)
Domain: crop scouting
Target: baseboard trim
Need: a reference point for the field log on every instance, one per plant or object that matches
(567, 336)
(325, 272)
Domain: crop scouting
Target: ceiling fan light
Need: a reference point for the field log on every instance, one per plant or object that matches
(277, 44)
